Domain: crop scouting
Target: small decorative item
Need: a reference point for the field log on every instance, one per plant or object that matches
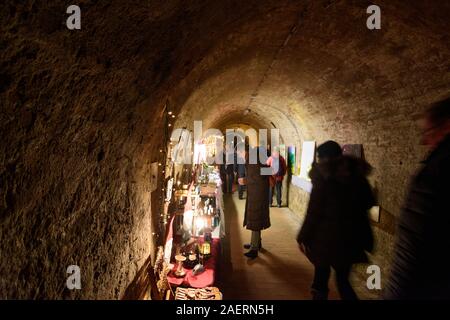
(191, 260)
(206, 249)
(169, 190)
(208, 293)
(208, 236)
(180, 271)
(199, 268)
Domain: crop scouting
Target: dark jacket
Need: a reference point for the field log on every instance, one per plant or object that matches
(420, 266)
(257, 203)
(336, 230)
(230, 162)
(240, 167)
(282, 169)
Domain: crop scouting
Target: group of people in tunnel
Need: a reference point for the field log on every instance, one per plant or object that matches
(234, 168)
(336, 232)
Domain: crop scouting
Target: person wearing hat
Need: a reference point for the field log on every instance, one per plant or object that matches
(336, 232)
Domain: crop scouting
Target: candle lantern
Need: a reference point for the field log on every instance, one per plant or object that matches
(206, 249)
(180, 271)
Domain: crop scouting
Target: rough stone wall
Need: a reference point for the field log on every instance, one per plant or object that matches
(72, 166)
(298, 200)
(81, 123)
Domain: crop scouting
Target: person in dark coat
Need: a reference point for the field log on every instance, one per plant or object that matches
(256, 216)
(336, 231)
(240, 169)
(229, 168)
(420, 265)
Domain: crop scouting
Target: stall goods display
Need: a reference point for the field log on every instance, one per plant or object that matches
(208, 293)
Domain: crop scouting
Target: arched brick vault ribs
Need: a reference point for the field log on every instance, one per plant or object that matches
(82, 112)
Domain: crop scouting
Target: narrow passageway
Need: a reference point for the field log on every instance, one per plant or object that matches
(280, 271)
(107, 128)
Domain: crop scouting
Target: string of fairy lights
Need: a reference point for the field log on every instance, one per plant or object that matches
(164, 166)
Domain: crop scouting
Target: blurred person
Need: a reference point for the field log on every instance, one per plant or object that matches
(419, 268)
(240, 169)
(278, 165)
(229, 168)
(256, 216)
(336, 231)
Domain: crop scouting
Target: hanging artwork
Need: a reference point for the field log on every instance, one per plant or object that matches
(291, 159)
(354, 150)
(307, 159)
(169, 190)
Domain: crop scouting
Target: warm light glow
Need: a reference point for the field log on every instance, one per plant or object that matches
(199, 153)
(206, 248)
(170, 112)
(199, 223)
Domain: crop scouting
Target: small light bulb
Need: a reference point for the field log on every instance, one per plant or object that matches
(173, 116)
(160, 164)
(170, 112)
(170, 124)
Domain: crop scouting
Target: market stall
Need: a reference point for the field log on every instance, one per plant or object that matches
(192, 247)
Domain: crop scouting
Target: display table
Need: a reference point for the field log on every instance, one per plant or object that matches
(204, 279)
(211, 188)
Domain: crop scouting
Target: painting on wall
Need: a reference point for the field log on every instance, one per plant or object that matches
(307, 159)
(291, 159)
(354, 150)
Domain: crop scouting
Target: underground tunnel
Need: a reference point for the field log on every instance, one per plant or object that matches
(88, 119)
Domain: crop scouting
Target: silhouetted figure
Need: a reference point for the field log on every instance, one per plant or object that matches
(240, 169)
(278, 165)
(336, 231)
(420, 268)
(257, 204)
(229, 168)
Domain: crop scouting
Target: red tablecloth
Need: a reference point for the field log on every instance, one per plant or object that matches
(204, 279)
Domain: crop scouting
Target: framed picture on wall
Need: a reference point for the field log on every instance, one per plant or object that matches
(291, 159)
(307, 159)
(354, 150)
